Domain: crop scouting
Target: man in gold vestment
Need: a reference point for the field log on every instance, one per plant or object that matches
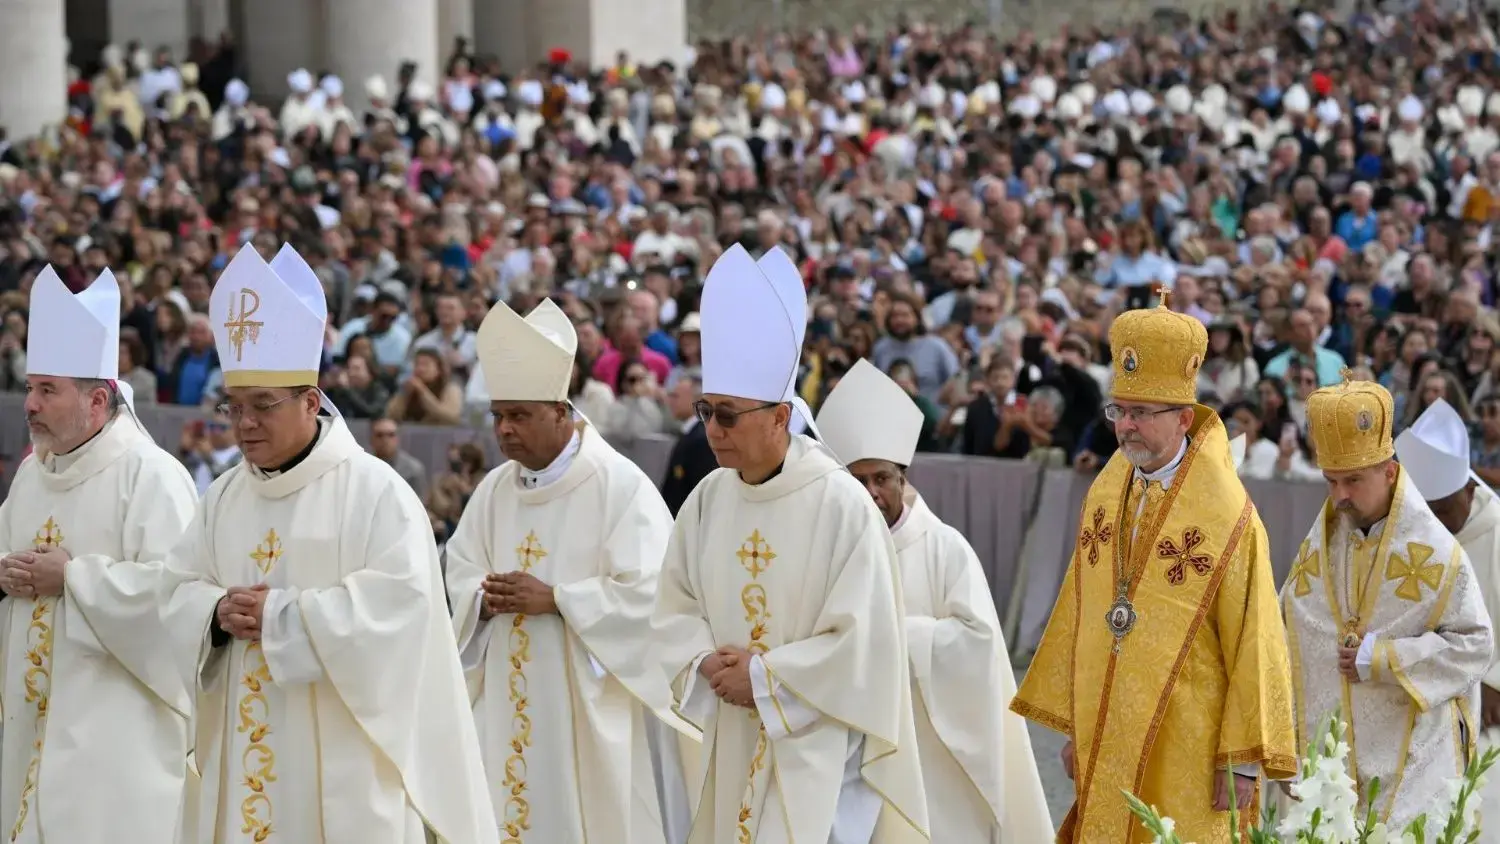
(1386, 624)
(1164, 661)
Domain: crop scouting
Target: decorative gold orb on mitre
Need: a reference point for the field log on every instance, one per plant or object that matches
(1157, 353)
(1350, 424)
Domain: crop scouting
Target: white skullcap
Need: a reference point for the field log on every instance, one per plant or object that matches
(333, 86)
(1329, 112)
(1086, 93)
(300, 81)
(1027, 106)
(854, 92)
(1296, 100)
(1365, 113)
(1215, 95)
(1045, 89)
(494, 90)
(1434, 452)
(1410, 109)
(989, 93)
(1101, 53)
(530, 92)
(1141, 102)
(1179, 99)
(1068, 107)
(375, 87)
(1471, 100)
(1117, 103)
(237, 93)
(419, 92)
(772, 97)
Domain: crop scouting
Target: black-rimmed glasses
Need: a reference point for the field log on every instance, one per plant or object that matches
(724, 416)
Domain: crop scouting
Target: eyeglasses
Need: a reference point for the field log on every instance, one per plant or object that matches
(1136, 415)
(236, 411)
(724, 416)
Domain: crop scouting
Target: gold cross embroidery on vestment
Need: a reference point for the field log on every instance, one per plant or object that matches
(1308, 566)
(37, 678)
(258, 759)
(755, 555)
(517, 809)
(1414, 573)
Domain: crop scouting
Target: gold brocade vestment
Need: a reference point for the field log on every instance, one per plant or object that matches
(1200, 683)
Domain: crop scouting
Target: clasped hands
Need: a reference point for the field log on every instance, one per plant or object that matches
(240, 612)
(34, 574)
(728, 673)
(515, 592)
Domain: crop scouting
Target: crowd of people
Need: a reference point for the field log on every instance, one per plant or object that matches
(1320, 190)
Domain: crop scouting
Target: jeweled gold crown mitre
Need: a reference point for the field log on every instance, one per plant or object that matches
(1351, 425)
(1157, 353)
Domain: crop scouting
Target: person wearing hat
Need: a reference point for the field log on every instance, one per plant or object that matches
(1164, 661)
(1386, 623)
(86, 702)
(552, 577)
(1435, 453)
(301, 109)
(779, 610)
(330, 700)
(977, 765)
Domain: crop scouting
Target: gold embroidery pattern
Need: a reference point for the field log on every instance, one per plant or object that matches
(258, 759)
(1308, 566)
(38, 676)
(1099, 534)
(242, 327)
(1415, 573)
(755, 555)
(1184, 557)
(517, 808)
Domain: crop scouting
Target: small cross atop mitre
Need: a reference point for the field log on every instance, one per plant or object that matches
(1162, 292)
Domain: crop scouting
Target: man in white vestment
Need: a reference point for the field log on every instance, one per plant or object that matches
(1386, 624)
(1434, 451)
(977, 765)
(779, 611)
(90, 704)
(310, 608)
(552, 577)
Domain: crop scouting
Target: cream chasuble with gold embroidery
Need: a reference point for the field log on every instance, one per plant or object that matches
(981, 777)
(91, 703)
(348, 721)
(1480, 538)
(1407, 591)
(562, 731)
(799, 570)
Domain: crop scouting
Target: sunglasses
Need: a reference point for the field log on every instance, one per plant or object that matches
(724, 416)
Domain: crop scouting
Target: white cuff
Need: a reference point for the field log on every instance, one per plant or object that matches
(780, 710)
(698, 700)
(283, 640)
(472, 649)
(1251, 770)
(1365, 656)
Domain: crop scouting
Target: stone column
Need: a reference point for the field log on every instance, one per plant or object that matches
(33, 66)
(502, 29)
(456, 19)
(367, 37)
(592, 30)
(153, 23)
(276, 37)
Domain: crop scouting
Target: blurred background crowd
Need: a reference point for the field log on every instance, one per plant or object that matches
(1321, 189)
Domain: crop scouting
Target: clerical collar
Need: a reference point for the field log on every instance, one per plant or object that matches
(555, 469)
(63, 462)
(299, 456)
(1165, 474)
(767, 478)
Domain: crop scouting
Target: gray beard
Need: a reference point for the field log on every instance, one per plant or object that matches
(1138, 455)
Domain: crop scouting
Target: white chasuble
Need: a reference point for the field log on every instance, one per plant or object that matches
(1407, 593)
(561, 723)
(91, 705)
(800, 571)
(1480, 538)
(977, 765)
(347, 721)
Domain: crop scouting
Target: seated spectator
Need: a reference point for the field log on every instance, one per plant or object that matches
(638, 410)
(1303, 348)
(385, 443)
(982, 423)
(133, 371)
(905, 376)
(452, 489)
(589, 396)
(450, 337)
(1261, 454)
(1485, 450)
(1229, 369)
(689, 351)
(930, 358)
(208, 448)
(625, 344)
(356, 393)
(189, 380)
(1042, 427)
(13, 352)
(429, 396)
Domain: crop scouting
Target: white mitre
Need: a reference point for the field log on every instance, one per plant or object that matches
(268, 324)
(74, 336)
(869, 417)
(784, 276)
(527, 359)
(1434, 451)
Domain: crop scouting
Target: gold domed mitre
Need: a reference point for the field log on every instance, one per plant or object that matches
(1157, 353)
(1351, 425)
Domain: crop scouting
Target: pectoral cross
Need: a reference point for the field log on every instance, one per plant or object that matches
(755, 554)
(242, 327)
(50, 535)
(530, 552)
